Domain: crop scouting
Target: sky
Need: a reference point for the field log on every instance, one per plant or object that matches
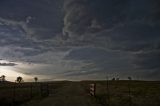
(80, 39)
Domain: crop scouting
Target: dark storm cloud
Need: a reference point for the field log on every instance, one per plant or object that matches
(15, 38)
(45, 16)
(130, 26)
(101, 61)
(148, 60)
(83, 16)
(133, 37)
(7, 64)
(86, 16)
(105, 35)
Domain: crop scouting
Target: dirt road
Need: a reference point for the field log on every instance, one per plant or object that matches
(69, 95)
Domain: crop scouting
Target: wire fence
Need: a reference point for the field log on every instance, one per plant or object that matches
(127, 93)
(18, 93)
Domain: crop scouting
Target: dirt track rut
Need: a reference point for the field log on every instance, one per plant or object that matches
(68, 95)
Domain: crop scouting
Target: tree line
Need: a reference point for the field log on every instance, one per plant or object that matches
(19, 79)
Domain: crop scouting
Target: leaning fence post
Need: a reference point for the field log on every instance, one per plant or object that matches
(47, 89)
(31, 91)
(129, 91)
(108, 90)
(14, 92)
(41, 88)
(44, 90)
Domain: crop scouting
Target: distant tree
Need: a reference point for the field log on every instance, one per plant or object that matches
(117, 79)
(3, 78)
(19, 79)
(129, 78)
(36, 79)
(113, 79)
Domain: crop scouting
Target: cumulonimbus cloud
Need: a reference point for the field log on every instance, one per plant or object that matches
(128, 26)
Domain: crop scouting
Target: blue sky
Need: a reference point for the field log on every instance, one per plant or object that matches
(80, 39)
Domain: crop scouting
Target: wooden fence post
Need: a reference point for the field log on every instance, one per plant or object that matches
(108, 94)
(14, 92)
(44, 90)
(92, 89)
(129, 91)
(31, 91)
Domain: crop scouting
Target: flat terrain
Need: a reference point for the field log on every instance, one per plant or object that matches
(66, 93)
(72, 94)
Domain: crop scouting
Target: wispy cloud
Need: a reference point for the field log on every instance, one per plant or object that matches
(17, 24)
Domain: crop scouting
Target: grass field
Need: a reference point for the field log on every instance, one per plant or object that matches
(66, 93)
(126, 93)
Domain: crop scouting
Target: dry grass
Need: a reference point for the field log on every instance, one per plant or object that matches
(142, 93)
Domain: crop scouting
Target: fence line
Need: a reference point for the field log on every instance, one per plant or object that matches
(37, 89)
